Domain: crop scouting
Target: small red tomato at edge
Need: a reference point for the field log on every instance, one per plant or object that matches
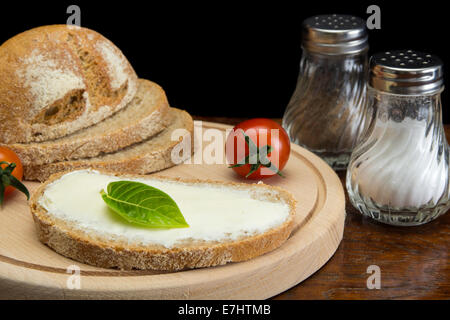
(11, 173)
(258, 148)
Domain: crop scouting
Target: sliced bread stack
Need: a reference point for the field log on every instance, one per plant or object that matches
(70, 99)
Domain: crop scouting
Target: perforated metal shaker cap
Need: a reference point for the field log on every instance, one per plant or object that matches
(406, 72)
(335, 34)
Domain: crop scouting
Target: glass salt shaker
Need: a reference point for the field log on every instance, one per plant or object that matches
(399, 172)
(326, 112)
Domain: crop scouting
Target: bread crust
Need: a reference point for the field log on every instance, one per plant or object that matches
(116, 137)
(59, 79)
(97, 250)
(157, 158)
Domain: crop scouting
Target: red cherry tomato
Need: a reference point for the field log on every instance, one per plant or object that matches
(9, 156)
(264, 154)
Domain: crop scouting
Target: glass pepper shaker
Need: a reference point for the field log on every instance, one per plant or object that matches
(399, 172)
(326, 111)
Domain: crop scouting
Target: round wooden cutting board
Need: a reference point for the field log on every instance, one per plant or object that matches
(30, 270)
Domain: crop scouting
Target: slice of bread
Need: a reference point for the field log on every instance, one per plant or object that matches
(58, 79)
(145, 157)
(228, 222)
(146, 115)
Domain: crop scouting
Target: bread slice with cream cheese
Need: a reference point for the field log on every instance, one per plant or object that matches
(228, 222)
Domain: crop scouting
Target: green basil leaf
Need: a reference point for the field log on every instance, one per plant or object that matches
(143, 205)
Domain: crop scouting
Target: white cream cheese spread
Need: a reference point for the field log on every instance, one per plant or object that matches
(213, 212)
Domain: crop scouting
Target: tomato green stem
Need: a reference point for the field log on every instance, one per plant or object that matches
(7, 179)
(260, 154)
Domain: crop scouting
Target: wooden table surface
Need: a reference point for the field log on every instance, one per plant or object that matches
(414, 261)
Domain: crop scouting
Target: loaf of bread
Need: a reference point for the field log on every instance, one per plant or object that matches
(58, 79)
(146, 115)
(228, 222)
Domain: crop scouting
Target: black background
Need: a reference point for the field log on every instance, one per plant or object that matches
(230, 58)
